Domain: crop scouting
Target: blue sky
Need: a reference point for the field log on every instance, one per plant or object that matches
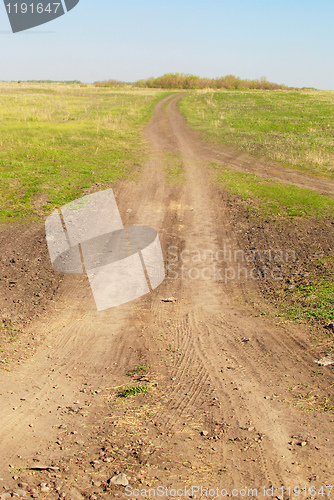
(288, 41)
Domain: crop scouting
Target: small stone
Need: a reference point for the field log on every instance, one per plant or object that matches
(204, 433)
(169, 299)
(44, 488)
(119, 479)
(20, 493)
(326, 360)
(250, 429)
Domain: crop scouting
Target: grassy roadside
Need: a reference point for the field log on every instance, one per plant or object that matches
(295, 129)
(274, 199)
(57, 141)
(281, 216)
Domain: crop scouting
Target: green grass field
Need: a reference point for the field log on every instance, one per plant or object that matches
(295, 129)
(57, 141)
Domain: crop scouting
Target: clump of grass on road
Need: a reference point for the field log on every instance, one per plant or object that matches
(138, 369)
(132, 391)
(295, 129)
(57, 141)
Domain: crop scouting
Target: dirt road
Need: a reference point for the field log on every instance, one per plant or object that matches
(220, 411)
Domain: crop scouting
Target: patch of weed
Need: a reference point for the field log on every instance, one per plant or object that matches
(309, 401)
(138, 369)
(132, 391)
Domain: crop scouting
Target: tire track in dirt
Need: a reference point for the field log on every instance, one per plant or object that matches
(208, 301)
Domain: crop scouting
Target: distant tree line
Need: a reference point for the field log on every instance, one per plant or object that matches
(183, 81)
(49, 81)
(112, 83)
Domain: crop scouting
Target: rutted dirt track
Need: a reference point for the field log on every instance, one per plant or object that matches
(214, 366)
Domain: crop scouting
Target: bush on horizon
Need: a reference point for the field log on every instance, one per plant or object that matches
(184, 81)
